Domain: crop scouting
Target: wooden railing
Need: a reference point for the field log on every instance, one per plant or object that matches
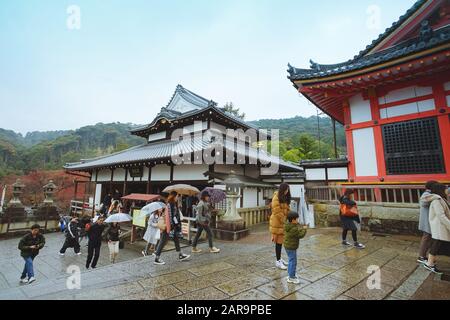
(253, 216)
(400, 194)
(80, 207)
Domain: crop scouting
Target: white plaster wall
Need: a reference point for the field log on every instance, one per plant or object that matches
(98, 195)
(145, 174)
(104, 175)
(405, 93)
(189, 172)
(160, 172)
(315, 174)
(337, 174)
(250, 198)
(119, 174)
(360, 109)
(365, 154)
(261, 197)
(157, 136)
(297, 190)
(407, 108)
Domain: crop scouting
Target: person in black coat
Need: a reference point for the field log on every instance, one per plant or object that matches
(106, 203)
(95, 242)
(349, 222)
(72, 237)
(29, 247)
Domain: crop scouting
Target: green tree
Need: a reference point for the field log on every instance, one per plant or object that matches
(230, 108)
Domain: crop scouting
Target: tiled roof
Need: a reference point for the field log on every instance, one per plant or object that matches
(203, 104)
(167, 149)
(428, 39)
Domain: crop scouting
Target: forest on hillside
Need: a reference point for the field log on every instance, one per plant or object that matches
(299, 139)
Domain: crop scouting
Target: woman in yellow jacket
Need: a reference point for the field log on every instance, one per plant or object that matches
(280, 208)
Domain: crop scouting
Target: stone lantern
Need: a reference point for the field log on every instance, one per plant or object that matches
(17, 191)
(49, 190)
(233, 186)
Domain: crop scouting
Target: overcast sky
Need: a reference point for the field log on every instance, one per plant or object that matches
(126, 59)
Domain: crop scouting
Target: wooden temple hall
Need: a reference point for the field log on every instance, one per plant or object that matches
(393, 99)
(149, 168)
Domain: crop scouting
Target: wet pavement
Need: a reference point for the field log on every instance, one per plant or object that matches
(243, 270)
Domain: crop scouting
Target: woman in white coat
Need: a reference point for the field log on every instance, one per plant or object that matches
(439, 216)
(152, 234)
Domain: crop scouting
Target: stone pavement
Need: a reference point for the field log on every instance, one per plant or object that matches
(243, 270)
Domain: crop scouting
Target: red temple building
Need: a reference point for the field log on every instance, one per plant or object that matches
(393, 99)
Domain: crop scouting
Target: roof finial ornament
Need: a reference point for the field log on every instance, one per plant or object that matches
(426, 32)
(314, 65)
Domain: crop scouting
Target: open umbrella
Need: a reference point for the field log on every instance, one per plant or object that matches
(215, 195)
(152, 207)
(183, 189)
(118, 217)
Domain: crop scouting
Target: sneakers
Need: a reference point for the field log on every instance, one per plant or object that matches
(183, 257)
(359, 245)
(31, 280)
(422, 260)
(144, 253)
(196, 250)
(433, 269)
(24, 280)
(62, 254)
(159, 262)
(293, 280)
(280, 265)
(78, 254)
(346, 243)
(214, 250)
(284, 262)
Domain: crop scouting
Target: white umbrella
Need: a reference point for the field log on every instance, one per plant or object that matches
(118, 217)
(152, 207)
(183, 189)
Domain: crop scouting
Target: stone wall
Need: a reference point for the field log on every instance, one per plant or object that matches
(376, 217)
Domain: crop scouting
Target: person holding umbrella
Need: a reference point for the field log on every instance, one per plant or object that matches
(203, 219)
(152, 234)
(170, 225)
(113, 233)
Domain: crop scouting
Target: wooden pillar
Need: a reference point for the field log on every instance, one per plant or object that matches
(171, 173)
(95, 191)
(75, 192)
(440, 99)
(111, 181)
(124, 193)
(333, 122)
(149, 178)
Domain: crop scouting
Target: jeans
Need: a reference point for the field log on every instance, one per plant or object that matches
(93, 252)
(28, 268)
(292, 264)
(200, 229)
(163, 242)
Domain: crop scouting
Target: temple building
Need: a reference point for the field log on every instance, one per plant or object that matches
(189, 142)
(393, 99)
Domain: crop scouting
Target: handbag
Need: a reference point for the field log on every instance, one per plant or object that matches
(348, 211)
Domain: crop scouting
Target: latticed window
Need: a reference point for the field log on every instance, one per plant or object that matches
(413, 147)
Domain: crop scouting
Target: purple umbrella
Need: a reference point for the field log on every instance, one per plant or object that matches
(215, 195)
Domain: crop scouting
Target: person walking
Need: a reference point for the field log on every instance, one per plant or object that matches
(203, 220)
(280, 208)
(152, 234)
(439, 217)
(95, 242)
(170, 229)
(72, 238)
(424, 223)
(114, 208)
(29, 247)
(106, 203)
(348, 213)
(293, 233)
(113, 236)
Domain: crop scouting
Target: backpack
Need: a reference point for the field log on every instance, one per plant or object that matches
(87, 226)
(348, 211)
